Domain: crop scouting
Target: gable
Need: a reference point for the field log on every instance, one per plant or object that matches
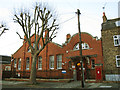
(88, 41)
(18, 52)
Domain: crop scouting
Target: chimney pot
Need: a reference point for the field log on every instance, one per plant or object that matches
(104, 17)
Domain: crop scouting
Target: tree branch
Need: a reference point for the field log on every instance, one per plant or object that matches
(4, 29)
(20, 36)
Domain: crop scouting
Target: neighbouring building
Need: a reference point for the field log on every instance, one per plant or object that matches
(111, 48)
(62, 61)
(5, 66)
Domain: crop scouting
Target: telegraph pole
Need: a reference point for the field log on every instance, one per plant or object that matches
(80, 48)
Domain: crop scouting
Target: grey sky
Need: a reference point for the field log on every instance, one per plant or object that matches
(90, 19)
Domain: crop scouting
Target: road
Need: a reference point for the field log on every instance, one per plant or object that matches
(58, 85)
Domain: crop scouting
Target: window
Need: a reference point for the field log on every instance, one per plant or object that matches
(39, 63)
(40, 46)
(33, 45)
(27, 63)
(93, 64)
(59, 61)
(19, 63)
(28, 50)
(84, 46)
(118, 60)
(116, 40)
(76, 47)
(7, 68)
(15, 63)
(70, 65)
(51, 62)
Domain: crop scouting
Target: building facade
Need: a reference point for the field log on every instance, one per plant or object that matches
(111, 48)
(5, 66)
(62, 61)
(5, 61)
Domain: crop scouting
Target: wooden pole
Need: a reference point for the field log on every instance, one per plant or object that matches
(80, 48)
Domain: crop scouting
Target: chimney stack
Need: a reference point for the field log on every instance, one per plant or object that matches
(68, 36)
(47, 33)
(104, 17)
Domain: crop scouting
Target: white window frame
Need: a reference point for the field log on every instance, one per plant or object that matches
(76, 47)
(59, 61)
(19, 64)
(27, 64)
(40, 46)
(116, 38)
(15, 63)
(7, 68)
(28, 50)
(40, 63)
(92, 64)
(33, 45)
(117, 59)
(51, 61)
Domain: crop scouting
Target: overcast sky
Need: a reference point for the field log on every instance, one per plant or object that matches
(90, 19)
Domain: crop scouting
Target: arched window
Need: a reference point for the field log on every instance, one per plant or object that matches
(40, 46)
(28, 50)
(39, 63)
(33, 45)
(27, 63)
(15, 63)
(19, 64)
(84, 46)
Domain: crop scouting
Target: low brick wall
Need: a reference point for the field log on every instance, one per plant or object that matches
(112, 77)
(49, 74)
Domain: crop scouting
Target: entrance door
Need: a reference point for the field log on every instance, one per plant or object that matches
(78, 73)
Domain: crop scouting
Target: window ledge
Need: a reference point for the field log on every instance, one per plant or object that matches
(82, 49)
(118, 66)
(39, 68)
(51, 68)
(59, 68)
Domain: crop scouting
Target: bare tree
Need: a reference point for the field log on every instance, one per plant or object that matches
(2, 29)
(41, 21)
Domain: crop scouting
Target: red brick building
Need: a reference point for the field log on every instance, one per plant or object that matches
(62, 61)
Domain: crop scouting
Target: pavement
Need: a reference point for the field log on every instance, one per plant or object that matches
(58, 85)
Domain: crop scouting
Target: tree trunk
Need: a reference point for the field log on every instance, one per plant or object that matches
(33, 70)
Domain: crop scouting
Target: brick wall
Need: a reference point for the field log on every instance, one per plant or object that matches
(109, 50)
(65, 50)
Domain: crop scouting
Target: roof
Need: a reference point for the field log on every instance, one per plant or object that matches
(18, 50)
(5, 59)
(57, 44)
(76, 34)
(110, 24)
(74, 58)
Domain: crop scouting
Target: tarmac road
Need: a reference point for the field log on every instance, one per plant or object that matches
(58, 85)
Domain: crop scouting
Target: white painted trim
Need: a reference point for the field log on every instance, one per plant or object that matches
(117, 59)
